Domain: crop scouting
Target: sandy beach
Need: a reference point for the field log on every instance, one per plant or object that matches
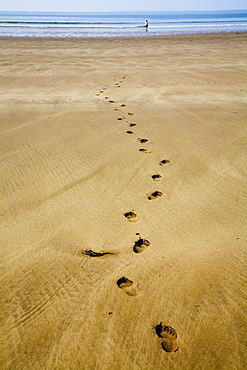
(124, 203)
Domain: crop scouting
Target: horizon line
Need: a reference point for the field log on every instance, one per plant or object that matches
(121, 11)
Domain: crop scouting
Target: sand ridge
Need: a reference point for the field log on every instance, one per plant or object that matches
(95, 274)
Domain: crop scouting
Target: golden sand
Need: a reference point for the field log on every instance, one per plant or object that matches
(71, 173)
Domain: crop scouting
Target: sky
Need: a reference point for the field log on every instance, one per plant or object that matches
(124, 5)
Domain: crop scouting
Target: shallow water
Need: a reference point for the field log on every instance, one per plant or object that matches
(40, 24)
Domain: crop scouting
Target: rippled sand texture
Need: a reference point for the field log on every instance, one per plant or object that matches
(72, 173)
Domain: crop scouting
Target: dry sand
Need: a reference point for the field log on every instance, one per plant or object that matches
(71, 172)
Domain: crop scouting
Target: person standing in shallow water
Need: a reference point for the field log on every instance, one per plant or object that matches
(146, 25)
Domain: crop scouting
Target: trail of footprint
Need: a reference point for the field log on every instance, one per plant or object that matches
(155, 194)
(140, 245)
(169, 344)
(131, 216)
(101, 91)
(128, 286)
(167, 333)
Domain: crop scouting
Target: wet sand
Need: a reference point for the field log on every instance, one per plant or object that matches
(124, 203)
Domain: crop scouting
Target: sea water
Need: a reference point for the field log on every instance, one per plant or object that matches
(44, 24)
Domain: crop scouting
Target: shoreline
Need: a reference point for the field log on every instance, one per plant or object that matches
(209, 34)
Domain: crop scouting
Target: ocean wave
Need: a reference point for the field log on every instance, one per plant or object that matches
(59, 25)
(160, 26)
(118, 24)
(21, 24)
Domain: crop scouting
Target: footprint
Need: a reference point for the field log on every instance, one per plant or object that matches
(164, 161)
(132, 124)
(128, 286)
(169, 335)
(111, 101)
(131, 114)
(123, 105)
(97, 94)
(169, 345)
(140, 245)
(121, 118)
(143, 140)
(104, 88)
(144, 150)
(107, 97)
(156, 177)
(129, 132)
(155, 194)
(131, 216)
(117, 109)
